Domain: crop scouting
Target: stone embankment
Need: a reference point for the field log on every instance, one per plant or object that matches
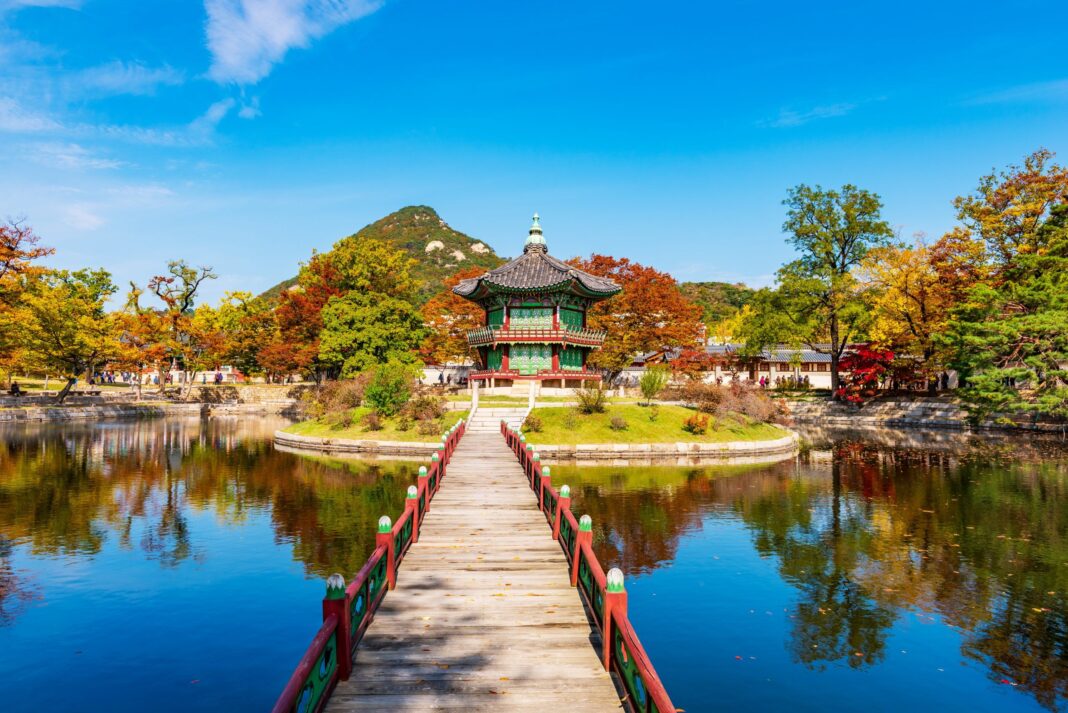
(678, 453)
(335, 446)
(913, 413)
(121, 404)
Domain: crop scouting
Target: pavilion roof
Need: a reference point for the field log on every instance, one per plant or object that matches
(536, 271)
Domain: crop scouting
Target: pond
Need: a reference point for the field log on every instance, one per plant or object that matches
(170, 565)
(179, 564)
(929, 575)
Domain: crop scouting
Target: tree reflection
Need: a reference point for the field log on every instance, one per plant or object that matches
(66, 490)
(978, 539)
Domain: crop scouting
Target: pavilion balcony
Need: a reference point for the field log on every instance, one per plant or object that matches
(491, 336)
(486, 374)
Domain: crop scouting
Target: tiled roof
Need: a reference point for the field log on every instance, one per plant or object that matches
(775, 354)
(536, 269)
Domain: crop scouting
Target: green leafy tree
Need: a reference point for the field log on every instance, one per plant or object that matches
(653, 381)
(246, 324)
(390, 387)
(66, 329)
(818, 301)
(363, 330)
(1011, 338)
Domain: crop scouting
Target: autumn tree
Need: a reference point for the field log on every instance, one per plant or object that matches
(186, 340)
(67, 328)
(19, 250)
(817, 300)
(245, 324)
(141, 337)
(448, 318)
(650, 313)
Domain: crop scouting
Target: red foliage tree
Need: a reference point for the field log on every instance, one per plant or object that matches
(867, 369)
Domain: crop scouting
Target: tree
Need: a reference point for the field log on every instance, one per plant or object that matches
(361, 266)
(141, 337)
(448, 318)
(246, 324)
(817, 302)
(910, 304)
(650, 314)
(19, 248)
(185, 340)
(653, 381)
(363, 330)
(1008, 337)
(67, 329)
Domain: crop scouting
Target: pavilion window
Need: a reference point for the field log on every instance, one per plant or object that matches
(531, 318)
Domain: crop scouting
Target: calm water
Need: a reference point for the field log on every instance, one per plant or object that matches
(170, 565)
(860, 576)
(177, 565)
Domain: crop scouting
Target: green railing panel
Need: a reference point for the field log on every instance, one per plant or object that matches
(319, 678)
(628, 671)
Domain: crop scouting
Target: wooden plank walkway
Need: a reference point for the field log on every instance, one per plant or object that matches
(484, 616)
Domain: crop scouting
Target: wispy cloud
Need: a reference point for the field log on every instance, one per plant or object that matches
(16, 4)
(70, 155)
(247, 38)
(120, 77)
(82, 216)
(17, 119)
(789, 118)
(1053, 91)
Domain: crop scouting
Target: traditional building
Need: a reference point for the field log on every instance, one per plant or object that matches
(535, 337)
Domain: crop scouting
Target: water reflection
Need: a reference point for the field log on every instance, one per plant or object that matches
(972, 537)
(159, 520)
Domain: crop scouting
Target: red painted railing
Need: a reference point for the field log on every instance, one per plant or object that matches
(545, 374)
(349, 609)
(484, 336)
(622, 652)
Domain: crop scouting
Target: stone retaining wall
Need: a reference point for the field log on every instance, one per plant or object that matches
(919, 413)
(680, 452)
(330, 446)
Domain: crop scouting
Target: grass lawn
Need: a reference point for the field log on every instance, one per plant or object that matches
(355, 430)
(566, 426)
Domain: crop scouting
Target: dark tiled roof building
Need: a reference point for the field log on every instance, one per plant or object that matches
(535, 310)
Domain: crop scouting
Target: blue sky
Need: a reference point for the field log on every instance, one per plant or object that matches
(243, 134)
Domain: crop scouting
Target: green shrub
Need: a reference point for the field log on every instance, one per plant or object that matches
(532, 424)
(654, 413)
(428, 428)
(592, 399)
(389, 389)
(404, 423)
(618, 423)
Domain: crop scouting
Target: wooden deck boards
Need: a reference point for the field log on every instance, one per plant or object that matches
(483, 616)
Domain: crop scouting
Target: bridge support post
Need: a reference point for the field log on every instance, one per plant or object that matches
(384, 538)
(546, 483)
(562, 503)
(336, 602)
(412, 503)
(615, 600)
(583, 538)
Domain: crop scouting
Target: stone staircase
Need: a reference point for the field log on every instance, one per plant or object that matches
(487, 419)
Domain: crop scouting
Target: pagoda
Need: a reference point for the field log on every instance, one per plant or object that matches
(535, 336)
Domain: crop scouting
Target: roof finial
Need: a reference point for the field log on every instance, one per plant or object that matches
(535, 239)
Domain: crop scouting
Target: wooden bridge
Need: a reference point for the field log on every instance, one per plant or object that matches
(500, 603)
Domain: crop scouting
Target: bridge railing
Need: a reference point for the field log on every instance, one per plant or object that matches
(604, 594)
(349, 608)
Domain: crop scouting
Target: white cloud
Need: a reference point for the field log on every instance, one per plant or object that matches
(250, 110)
(82, 217)
(15, 118)
(16, 4)
(247, 38)
(123, 78)
(70, 155)
(1056, 90)
(788, 118)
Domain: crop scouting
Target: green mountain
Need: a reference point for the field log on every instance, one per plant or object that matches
(439, 251)
(719, 300)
